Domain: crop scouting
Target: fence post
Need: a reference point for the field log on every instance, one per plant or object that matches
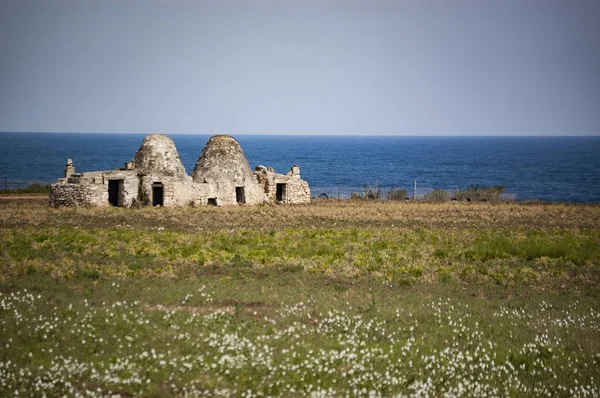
(338, 191)
(415, 191)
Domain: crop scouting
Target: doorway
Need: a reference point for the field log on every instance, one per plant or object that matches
(115, 191)
(240, 195)
(212, 201)
(158, 194)
(280, 194)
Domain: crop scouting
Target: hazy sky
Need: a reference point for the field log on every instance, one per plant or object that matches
(406, 67)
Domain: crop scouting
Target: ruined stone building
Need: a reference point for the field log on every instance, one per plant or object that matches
(156, 177)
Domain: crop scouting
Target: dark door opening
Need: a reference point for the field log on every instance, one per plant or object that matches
(280, 194)
(115, 189)
(240, 195)
(212, 201)
(158, 194)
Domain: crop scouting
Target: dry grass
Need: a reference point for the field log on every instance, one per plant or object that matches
(332, 214)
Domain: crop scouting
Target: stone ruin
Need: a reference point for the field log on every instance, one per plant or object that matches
(156, 176)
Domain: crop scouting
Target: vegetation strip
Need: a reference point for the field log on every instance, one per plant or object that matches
(401, 256)
(353, 299)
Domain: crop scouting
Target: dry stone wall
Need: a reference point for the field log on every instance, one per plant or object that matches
(91, 189)
(294, 190)
(298, 192)
(68, 195)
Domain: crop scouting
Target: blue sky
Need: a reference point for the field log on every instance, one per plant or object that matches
(371, 67)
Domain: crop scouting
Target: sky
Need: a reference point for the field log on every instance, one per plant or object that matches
(368, 67)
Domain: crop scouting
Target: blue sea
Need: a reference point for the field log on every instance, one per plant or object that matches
(565, 169)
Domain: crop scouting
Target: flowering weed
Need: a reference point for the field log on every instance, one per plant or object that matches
(331, 299)
(204, 342)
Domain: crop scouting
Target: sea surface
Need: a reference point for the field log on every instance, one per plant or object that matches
(565, 169)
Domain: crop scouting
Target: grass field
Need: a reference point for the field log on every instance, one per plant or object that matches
(336, 298)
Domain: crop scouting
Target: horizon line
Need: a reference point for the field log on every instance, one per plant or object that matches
(304, 134)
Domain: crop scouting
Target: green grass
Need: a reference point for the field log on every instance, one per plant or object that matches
(403, 256)
(529, 247)
(323, 300)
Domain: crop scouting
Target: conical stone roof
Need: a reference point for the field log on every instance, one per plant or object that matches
(158, 155)
(222, 160)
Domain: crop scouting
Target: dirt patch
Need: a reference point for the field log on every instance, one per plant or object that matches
(194, 310)
(245, 304)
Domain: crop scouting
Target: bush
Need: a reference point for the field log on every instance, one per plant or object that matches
(437, 195)
(35, 187)
(480, 193)
(38, 187)
(396, 194)
(370, 193)
(474, 193)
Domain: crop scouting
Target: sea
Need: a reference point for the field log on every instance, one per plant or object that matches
(560, 169)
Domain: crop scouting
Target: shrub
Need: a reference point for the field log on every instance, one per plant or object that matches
(444, 274)
(38, 187)
(369, 192)
(480, 193)
(35, 187)
(437, 195)
(396, 194)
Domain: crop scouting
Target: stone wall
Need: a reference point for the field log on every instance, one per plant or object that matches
(69, 195)
(226, 192)
(91, 189)
(296, 189)
(176, 191)
(298, 192)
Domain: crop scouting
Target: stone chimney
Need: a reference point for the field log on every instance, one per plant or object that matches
(69, 168)
(294, 171)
